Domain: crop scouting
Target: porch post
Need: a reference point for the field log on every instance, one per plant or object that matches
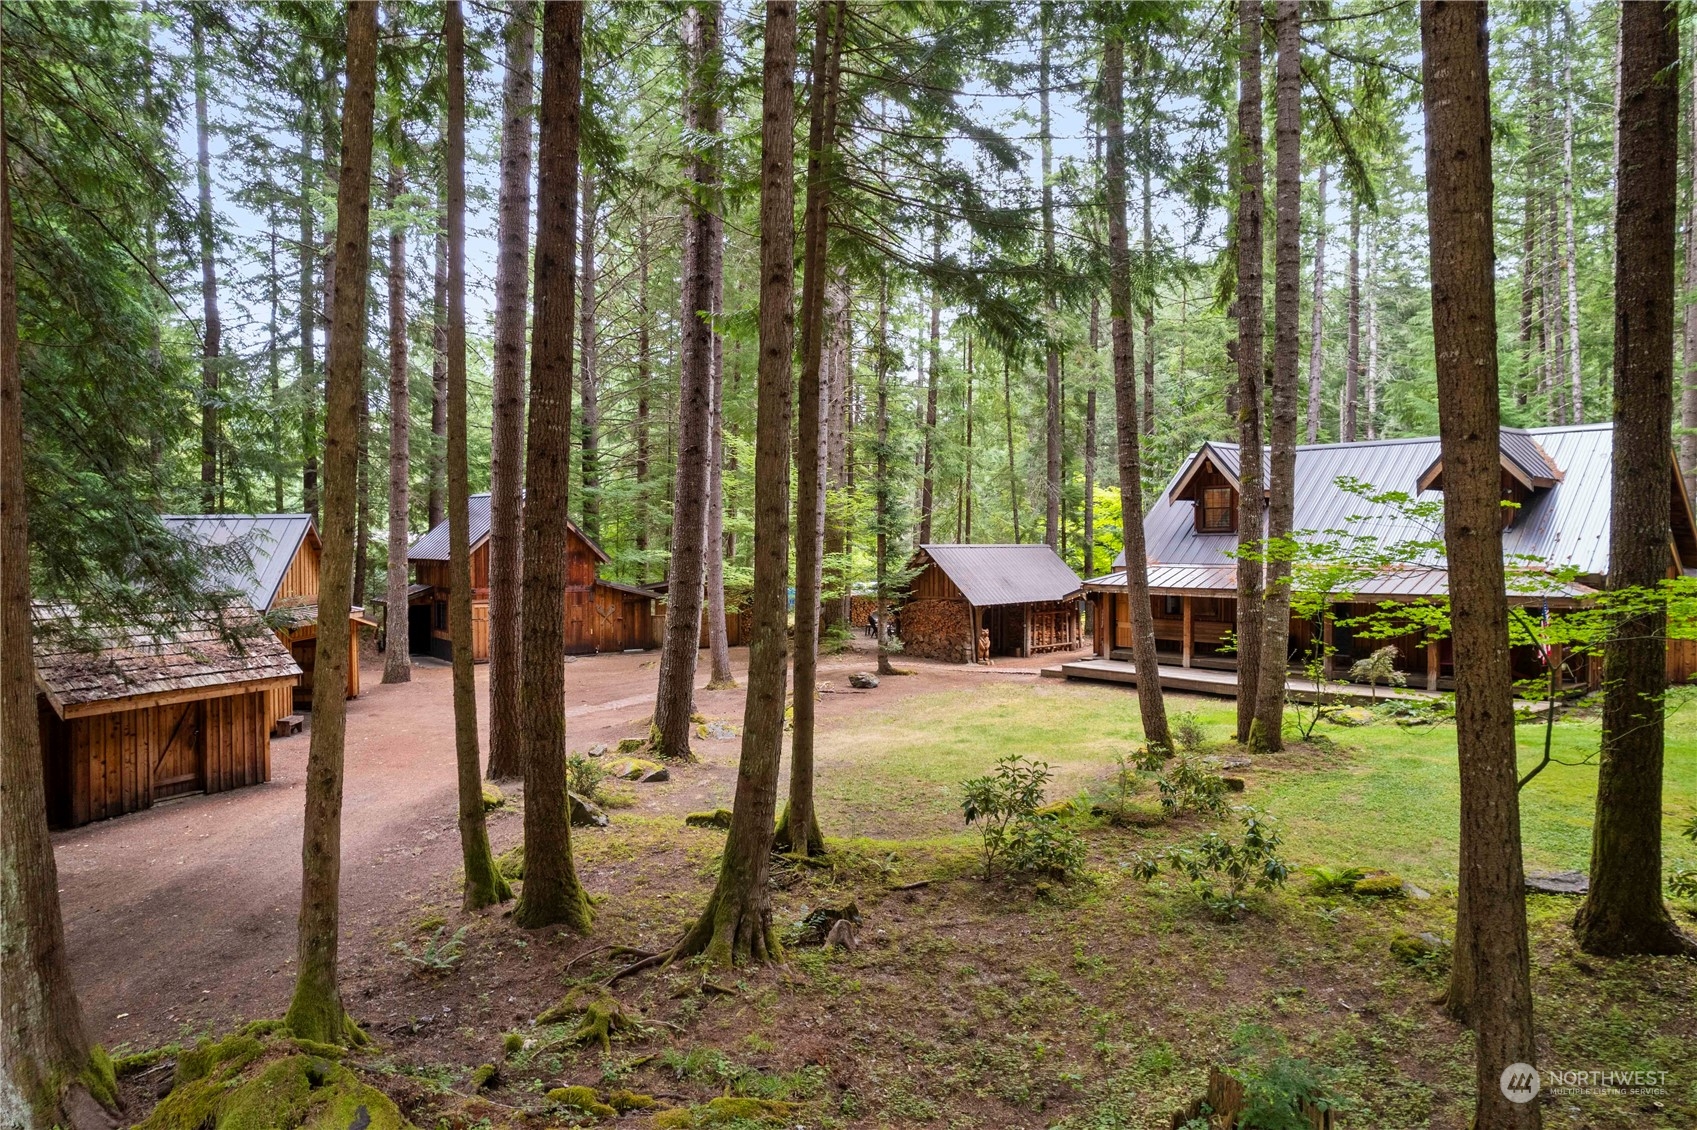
(1188, 632)
(1025, 627)
(1556, 657)
(1434, 661)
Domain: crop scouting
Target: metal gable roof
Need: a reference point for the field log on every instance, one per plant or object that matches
(269, 541)
(1566, 524)
(990, 575)
(433, 546)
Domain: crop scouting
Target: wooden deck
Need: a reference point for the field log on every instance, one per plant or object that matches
(1203, 680)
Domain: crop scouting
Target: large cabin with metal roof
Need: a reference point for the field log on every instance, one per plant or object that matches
(272, 561)
(600, 615)
(1014, 600)
(1557, 478)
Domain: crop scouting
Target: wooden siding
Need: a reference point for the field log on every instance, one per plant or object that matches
(300, 582)
(105, 765)
(933, 584)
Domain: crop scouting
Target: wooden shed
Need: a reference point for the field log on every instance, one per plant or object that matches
(1024, 596)
(600, 615)
(273, 560)
(128, 721)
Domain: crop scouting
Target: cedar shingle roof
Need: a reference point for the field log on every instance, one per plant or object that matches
(148, 662)
(990, 575)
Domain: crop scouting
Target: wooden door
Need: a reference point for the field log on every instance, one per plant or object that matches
(179, 761)
(306, 654)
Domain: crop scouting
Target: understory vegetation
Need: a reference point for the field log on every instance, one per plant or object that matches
(1021, 1000)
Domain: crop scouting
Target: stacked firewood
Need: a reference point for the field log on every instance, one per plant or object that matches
(936, 629)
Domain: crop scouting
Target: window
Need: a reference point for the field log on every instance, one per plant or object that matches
(1216, 512)
(441, 616)
(1172, 606)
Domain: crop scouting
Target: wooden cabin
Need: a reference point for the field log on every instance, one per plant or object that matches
(1024, 596)
(600, 615)
(1557, 480)
(130, 720)
(273, 561)
(739, 617)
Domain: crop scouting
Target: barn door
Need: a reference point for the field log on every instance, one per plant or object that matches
(306, 654)
(179, 764)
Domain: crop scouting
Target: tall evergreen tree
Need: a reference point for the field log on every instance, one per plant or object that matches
(1251, 323)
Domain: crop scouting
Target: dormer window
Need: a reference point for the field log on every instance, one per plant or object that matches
(1217, 512)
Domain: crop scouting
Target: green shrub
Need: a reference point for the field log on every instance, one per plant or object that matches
(1683, 881)
(1007, 804)
(1335, 880)
(584, 775)
(439, 954)
(1188, 787)
(1274, 1093)
(1223, 870)
(1187, 731)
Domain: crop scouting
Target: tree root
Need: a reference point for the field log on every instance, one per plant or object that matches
(598, 1011)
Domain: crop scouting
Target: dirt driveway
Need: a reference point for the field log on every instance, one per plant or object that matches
(183, 916)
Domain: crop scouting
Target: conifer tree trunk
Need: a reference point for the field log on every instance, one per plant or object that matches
(397, 657)
(274, 366)
(1051, 330)
(315, 1012)
(933, 361)
(881, 490)
(484, 885)
(308, 379)
(1352, 361)
(589, 427)
(1624, 912)
(1267, 731)
(1090, 444)
(362, 490)
(1372, 377)
(1570, 264)
(1491, 944)
(45, 1068)
(1013, 474)
(836, 380)
(1688, 396)
(1251, 328)
(736, 926)
(439, 379)
(644, 374)
(552, 894)
(675, 698)
(212, 336)
(1149, 305)
(1149, 700)
(720, 675)
(506, 462)
(1317, 317)
(798, 831)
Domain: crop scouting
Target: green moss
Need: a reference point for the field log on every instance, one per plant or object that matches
(636, 745)
(224, 1057)
(126, 1065)
(729, 1109)
(512, 1043)
(313, 1047)
(674, 1120)
(493, 797)
(484, 1075)
(623, 1101)
(100, 1078)
(1381, 884)
(294, 1092)
(718, 818)
(1055, 811)
(262, 1027)
(510, 863)
(632, 768)
(598, 1013)
(581, 1098)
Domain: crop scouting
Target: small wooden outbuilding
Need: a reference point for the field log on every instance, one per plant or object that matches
(1024, 596)
(130, 720)
(600, 615)
(272, 560)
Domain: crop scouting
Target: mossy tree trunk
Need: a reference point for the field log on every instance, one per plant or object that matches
(1491, 944)
(552, 894)
(484, 885)
(506, 462)
(1251, 327)
(1267, 731)
(397, 657)
(720, 676)
(798, 831)
(315, 1012)
(1624, 912)
(44, 1050)
(675, 698)
(736, 927)
(1150, 703)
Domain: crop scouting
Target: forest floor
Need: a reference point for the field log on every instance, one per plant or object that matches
(1097, 1004)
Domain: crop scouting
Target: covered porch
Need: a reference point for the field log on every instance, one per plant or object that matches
(1223, 682)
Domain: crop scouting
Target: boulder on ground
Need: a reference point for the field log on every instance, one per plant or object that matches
(1378, 884)
(1227, 761)
(654, 776)
(819, 925)
(718, 818)
(863, 681)
(632, 768)
(493, 797)
(585, 812)
(631, 745)
(1558, 882)
(1055, 811)
(1234, 784)
(596, 750)
(1348, 716)
(717, 731)
(1417, 949)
